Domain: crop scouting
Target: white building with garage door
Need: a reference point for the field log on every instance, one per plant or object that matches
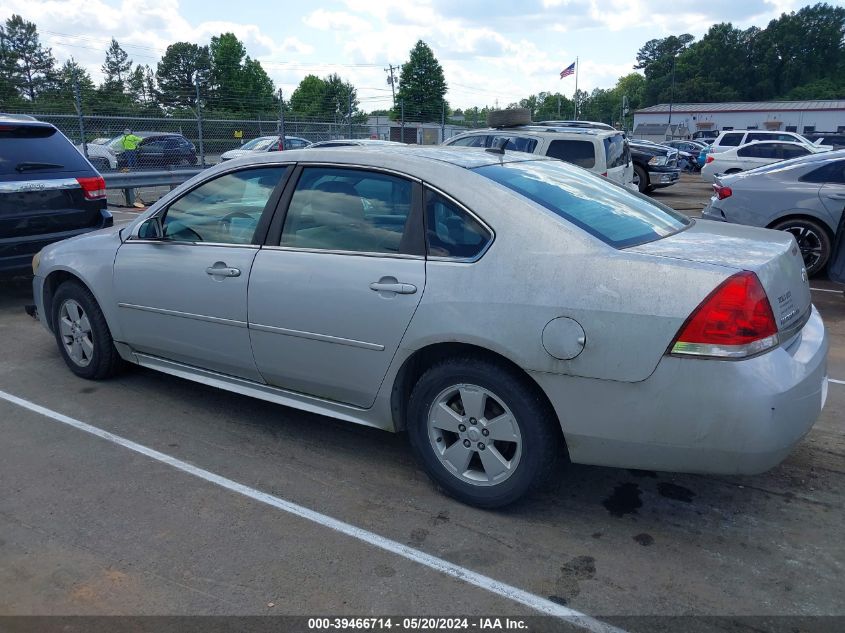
(804, 117)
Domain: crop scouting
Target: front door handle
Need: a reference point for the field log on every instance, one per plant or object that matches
(222, 271)
(394, 286)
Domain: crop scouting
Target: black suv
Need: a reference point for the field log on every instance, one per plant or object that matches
(158, 149)
(48, 191)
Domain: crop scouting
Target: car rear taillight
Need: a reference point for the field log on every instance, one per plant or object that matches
(710, 158)
(93, 188)
(734, 321)
(722, 191)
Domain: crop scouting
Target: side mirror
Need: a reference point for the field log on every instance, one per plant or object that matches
(151, 229)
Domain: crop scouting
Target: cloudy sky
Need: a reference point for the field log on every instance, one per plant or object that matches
(493, 51)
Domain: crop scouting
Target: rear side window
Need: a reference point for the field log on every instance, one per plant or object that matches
(790, 151)
(614, 148)
(450, 231)
(610, 213)
(581, 153)
(30, 151)
(831, 173)
(731, 140)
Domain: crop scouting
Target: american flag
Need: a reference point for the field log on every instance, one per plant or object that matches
(569, 70)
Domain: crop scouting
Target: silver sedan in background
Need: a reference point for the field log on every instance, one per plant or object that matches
(804, 196)
(505, 310)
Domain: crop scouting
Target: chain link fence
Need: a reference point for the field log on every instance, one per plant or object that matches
(203, 141)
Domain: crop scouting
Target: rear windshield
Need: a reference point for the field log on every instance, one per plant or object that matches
(581, 153)
(614, 148)
(609, 212)
(22, 147)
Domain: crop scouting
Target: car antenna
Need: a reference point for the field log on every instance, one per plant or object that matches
(499, 147)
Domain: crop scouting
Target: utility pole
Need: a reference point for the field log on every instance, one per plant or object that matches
(281, 120)
(576, 87)
(77, 99)
(402, 129)
(199, 119)
(392, 81)
(349, 110)
(443, 122)
(672, 93)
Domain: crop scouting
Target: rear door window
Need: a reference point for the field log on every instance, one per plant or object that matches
(450, 231)
(581, 153)
(731, 140)
(830, 173)
(515, 143)
(30, 151)
(793, 151)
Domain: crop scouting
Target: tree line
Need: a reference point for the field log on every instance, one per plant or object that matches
(800, 55)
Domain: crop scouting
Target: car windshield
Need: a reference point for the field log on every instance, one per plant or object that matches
(259, 143)
(609, 212)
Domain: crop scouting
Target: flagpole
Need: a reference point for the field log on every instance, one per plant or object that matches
(576, 88)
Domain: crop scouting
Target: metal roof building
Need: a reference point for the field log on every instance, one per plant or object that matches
(791, 116)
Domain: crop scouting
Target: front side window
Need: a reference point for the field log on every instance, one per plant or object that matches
(470, 141)
(610, 213)
(225, 210)
(515, 143)
(450, 231)
(348, 210)
(581, 153)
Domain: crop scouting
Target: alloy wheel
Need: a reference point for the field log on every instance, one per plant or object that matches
(474, 435)
(75, 331)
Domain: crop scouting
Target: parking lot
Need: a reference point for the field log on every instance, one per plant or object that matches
(139, 514)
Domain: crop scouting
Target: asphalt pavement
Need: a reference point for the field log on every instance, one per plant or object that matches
(135, 513)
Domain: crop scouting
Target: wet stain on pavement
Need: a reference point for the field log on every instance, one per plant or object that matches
(644, 539)
(418, 536)
(571, 574)
(88, 390)
(676, 492)
(624, 500)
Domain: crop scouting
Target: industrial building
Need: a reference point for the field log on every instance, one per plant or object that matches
(662, 121)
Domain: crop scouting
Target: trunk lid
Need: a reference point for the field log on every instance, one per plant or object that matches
(772, 255)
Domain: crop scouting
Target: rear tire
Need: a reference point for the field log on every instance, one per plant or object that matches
(641, 179)
(509, 118)
(813, 240)
(481, 432)
(82, 333)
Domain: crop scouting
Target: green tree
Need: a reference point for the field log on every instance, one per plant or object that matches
(227, 82)
(116, 69)
(422, 85)
(309, 97)
(182, 65)
(30, 66)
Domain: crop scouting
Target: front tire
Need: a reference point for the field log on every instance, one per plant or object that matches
(640, 179)
(82, 334)
(813, 240)
(481, 432)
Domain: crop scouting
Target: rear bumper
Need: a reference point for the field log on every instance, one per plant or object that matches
(16, 252)
(692, 415)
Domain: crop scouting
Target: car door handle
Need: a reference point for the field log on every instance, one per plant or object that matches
(223, 271)
(836, 196)
(398, 288)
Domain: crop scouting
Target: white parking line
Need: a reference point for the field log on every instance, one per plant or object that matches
(838, 382)
(825, 290)
(530, 600)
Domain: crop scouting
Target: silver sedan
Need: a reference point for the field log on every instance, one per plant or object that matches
(505, 310)
(804, 196)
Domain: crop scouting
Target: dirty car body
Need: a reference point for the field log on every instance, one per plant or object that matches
(469, 298)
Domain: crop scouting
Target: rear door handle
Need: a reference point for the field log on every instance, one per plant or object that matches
(398, 288)
(223, 271)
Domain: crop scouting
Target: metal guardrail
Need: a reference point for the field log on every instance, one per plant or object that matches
(129, 181)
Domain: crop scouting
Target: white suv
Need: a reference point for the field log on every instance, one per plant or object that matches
(728, 139)
(600, 151)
